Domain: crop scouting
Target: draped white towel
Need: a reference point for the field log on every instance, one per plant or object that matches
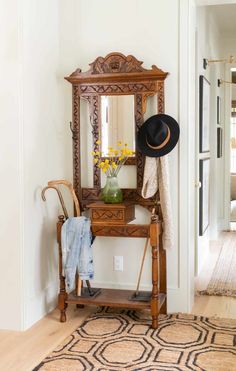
(156, 176)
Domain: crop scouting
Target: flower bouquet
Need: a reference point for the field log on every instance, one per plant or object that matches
(111, 165)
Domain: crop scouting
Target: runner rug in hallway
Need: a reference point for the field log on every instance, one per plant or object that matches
(124, 341)
(223, 279)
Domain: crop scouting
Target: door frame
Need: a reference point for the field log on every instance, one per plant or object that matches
(227, 150)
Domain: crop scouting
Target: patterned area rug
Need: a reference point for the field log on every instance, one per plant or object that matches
(124, 340)
(223, 279)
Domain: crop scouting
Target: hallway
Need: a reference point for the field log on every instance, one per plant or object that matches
(205, 305)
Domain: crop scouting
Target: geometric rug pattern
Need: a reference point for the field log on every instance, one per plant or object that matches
(123, 340)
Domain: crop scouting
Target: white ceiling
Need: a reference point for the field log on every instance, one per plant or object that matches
(225, 16)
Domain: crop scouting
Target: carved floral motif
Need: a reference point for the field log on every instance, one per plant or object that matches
(116, 63)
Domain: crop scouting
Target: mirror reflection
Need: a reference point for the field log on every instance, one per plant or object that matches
(117, 121)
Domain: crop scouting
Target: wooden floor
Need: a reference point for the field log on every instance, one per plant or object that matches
(22, 351)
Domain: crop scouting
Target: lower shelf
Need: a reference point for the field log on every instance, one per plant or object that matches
(113, 298)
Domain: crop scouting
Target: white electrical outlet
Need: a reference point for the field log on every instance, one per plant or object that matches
(118, 263)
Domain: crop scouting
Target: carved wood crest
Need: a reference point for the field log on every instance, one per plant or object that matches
(114, 63)
(105, 68)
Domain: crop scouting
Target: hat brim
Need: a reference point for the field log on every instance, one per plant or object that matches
(174, 136)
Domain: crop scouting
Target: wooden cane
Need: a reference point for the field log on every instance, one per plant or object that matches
(141, 268)
(72, 191)
(60, 198)
(153, 215)
(77, 212)
(53, 183)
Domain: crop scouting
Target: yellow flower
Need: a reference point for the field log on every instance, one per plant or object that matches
(101, 165)
(113, 159)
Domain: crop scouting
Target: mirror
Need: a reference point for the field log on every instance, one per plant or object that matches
(117, 122)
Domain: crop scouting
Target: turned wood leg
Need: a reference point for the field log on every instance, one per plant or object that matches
(163, 289)
(62, 297)
(155, 290)
(62, 306)
(154, 240)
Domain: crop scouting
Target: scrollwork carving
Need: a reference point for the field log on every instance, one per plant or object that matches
(75, 128)
(108, 214)
(161, 98)
(139, 98)
(95, 122)
(121, 231)
(117, 88)
(114, 63)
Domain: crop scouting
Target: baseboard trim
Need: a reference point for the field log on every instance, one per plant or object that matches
(39, 306)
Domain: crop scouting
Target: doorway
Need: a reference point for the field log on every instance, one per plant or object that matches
(216, 40)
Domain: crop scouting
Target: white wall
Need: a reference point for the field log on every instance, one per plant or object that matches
(47, 143)
(209, 47)
(35, 114)
(10, 168)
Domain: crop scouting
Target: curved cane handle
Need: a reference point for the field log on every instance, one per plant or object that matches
(72, 191)
(60, 198)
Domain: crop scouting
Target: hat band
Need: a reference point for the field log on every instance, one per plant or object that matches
(162, 144)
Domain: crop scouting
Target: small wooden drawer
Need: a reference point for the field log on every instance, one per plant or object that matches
(101, 213)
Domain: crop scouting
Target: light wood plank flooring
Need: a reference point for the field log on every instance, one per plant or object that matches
(22, 351)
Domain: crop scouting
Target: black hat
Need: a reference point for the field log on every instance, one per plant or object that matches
(158, 135)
